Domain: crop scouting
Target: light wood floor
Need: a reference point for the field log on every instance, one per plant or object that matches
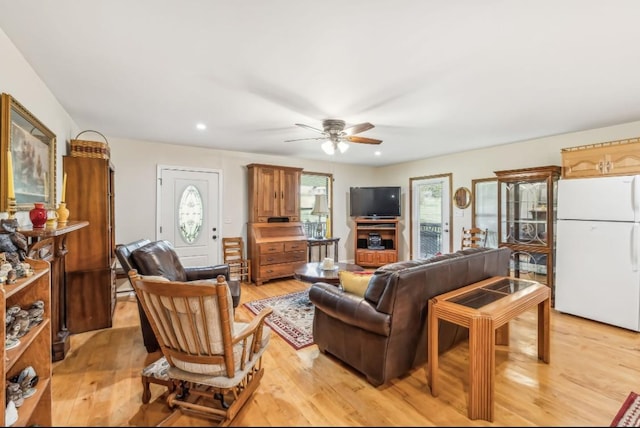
(593, 368)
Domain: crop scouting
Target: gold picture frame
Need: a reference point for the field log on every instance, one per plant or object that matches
(33, 155)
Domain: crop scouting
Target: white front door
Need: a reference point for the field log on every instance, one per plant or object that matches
(430, 216)
(189, 212)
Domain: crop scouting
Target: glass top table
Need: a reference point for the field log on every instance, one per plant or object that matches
(485, 308)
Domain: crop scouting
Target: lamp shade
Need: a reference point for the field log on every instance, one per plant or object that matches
(320, 206)
(328, 147)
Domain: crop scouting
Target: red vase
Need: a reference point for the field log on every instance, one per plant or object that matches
(38, 215)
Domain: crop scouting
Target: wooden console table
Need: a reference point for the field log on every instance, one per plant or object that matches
(485, 307)
(59, 334)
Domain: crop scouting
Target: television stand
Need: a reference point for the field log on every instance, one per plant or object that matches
(383, 248)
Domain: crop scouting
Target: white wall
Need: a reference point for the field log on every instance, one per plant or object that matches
(135, 187)
(482, 164)
(18, 79)
(136, 163)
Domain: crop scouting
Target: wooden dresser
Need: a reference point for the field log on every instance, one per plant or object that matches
(277, 249)
(277, 244)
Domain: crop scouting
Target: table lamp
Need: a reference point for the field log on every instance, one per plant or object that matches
(320, 208)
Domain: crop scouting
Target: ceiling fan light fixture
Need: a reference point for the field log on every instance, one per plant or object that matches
(328, 147)
(342, 146)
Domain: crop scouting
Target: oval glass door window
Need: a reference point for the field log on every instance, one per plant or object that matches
(190, 214)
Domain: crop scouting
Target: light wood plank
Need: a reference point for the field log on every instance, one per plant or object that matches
(593, 367)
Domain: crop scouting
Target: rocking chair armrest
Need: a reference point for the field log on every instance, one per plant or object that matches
(254, 325)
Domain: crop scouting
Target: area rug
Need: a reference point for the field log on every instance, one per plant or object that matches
(292, 317)
(629, 413)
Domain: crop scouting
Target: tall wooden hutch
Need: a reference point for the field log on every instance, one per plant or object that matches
(276, 240)
(91, 261)
(527, 201)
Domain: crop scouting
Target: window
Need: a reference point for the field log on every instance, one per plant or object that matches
(485, 208)
(312, 184)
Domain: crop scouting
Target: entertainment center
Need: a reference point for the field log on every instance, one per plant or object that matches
(376, 211)
(376, 241)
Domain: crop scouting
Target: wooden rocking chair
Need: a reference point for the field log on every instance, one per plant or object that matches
(215, 363)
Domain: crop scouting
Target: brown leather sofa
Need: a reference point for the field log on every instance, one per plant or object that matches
(383, 334)
(159, 258)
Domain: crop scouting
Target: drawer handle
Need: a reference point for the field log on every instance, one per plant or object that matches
(270, 259)
(269, 271)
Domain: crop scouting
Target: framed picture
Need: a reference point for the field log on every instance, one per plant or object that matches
(33, 154)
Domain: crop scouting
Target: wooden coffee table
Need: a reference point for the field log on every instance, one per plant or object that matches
(313, 272)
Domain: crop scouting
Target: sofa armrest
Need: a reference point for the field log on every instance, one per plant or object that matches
(206, 272)
(349, 308)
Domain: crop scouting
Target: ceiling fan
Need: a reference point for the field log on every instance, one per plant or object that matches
(337, 136)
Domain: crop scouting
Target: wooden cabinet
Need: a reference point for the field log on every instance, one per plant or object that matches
(376, 241)
(620, 157)
(90, 263)
(274, 192)
(34, 348)
(527, 201)
(276, 250)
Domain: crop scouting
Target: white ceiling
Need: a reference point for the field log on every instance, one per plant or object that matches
(434, 77)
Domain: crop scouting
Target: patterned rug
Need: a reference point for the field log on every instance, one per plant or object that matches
(292, 317)
(629, 413)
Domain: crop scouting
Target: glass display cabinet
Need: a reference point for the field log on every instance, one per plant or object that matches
(527, 200)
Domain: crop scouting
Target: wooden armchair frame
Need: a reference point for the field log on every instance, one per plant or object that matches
(215, 363)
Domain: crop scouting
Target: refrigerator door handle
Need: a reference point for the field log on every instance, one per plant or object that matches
(635, 190)
(634, 246)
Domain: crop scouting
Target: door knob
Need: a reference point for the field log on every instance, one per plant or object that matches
(214, 237)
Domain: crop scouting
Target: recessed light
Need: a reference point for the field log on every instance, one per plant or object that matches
(377, 153)
(201, 126)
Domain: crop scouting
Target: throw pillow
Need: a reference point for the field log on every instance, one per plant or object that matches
(355, 282)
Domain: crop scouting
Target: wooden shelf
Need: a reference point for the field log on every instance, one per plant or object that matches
(35, 346)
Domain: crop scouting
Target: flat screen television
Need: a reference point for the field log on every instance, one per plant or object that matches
(375, 201)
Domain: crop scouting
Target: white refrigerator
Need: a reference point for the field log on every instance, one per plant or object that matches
(598, 249)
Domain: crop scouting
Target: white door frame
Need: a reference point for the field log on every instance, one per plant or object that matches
(447, 213)
(218, 224)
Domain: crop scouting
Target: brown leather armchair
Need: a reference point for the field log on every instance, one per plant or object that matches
(158, 258)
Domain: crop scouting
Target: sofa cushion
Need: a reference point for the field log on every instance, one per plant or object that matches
(355, 282)
(384, 273)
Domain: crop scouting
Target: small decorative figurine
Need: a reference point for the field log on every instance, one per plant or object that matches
(20, 324)
(12, 276)
(14, 393)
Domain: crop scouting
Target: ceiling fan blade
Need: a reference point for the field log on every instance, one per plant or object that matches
(310, 127)
(356, 129)
(364, 140)
(306, 139)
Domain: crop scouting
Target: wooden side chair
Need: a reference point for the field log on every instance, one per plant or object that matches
(214, 363)
(474, 237)
(233, 255)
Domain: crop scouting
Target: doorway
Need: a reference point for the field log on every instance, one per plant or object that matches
(189, 212)
(430, 207)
